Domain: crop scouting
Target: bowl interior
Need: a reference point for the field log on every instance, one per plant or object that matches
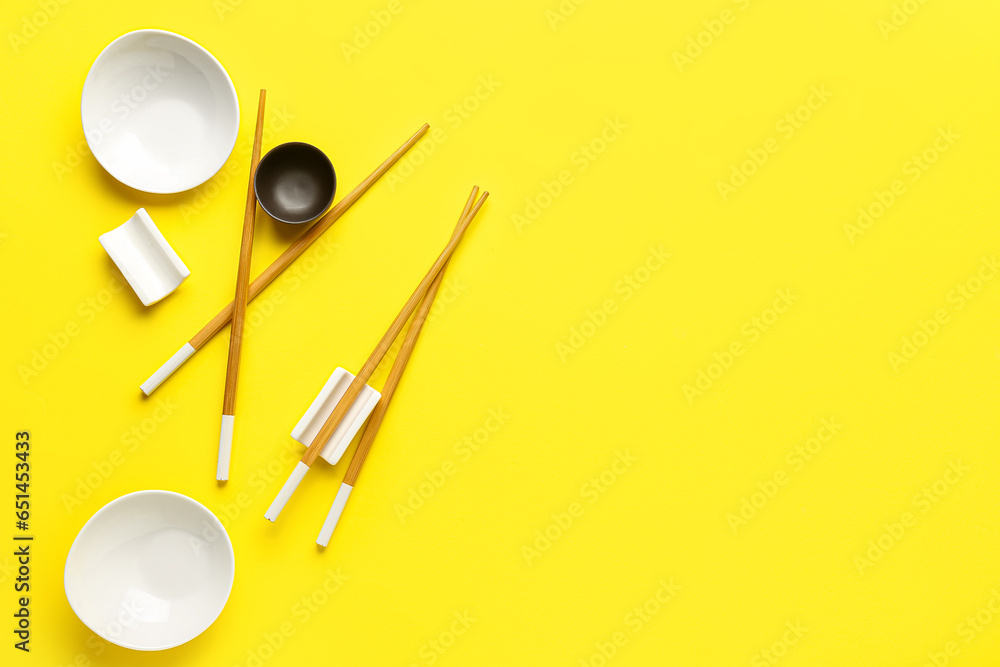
(295, 182)
(150, 570)
(159, 112)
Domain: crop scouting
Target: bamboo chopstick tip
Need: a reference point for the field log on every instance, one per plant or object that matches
(287, 489)
(225, 447)
(167, 369)
(330, 524)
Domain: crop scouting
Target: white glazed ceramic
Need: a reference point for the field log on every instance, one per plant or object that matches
(150, 570)
(159, 112)
(322, 407)
(144, 257)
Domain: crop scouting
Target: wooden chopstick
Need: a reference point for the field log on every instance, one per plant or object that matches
(280, 264)
(240, 304)
(345, 402)
(388, 390)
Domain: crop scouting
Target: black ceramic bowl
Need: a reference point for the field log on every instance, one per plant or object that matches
(295, 182)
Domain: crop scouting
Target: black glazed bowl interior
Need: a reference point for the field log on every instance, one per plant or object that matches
(295, 182)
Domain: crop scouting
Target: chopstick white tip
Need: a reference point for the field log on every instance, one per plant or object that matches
(326, 532)
(225, 447)
(286, 492)
(167, 369)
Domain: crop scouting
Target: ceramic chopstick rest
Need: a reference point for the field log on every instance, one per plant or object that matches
(321, 408)
(311, 423)
(144, 257)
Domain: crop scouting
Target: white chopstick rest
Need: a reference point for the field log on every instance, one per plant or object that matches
(311, 423)
(144, 257)
(322, 407)
(326, 532)
(164, 371)
(286, 492)
(225, 447)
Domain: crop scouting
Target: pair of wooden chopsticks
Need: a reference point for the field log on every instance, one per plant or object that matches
(342, 407)
(240, 305)
(286, 258)
(388, 390)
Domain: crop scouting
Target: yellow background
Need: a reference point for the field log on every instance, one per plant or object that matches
(517, 292)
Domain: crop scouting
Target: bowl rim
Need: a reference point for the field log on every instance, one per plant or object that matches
(217, 524)
(285, 146)
(225, 76)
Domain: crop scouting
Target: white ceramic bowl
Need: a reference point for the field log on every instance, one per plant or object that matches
(150, 570)
(159, 112)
